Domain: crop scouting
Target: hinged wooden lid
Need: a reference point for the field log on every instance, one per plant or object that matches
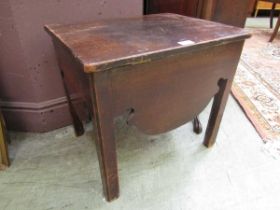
(107, 44)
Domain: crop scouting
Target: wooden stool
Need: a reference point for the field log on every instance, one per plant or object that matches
(4, 155)
(161, 70)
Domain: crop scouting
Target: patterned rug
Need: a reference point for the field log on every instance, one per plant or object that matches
(257, 84)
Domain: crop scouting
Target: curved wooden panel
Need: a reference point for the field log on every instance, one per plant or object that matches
(163, 96)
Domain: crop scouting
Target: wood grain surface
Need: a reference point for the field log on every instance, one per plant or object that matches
(114, 43)
(160, 71)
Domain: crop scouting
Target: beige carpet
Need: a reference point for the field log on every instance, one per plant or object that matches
(257, 83)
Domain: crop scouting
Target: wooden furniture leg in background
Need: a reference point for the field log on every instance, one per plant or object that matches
(272, 14)
(276, 29)
(217, 111)
(103, 121)
(4, 160)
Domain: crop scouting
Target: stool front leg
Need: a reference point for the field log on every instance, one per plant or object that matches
(104, 130)
(217, 111)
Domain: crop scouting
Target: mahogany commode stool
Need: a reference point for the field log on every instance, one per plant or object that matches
(162, 70)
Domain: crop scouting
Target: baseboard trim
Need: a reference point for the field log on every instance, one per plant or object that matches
(40, 117)
(36, 106)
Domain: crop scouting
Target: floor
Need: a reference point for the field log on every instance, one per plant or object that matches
(260, 22)
(172, 171)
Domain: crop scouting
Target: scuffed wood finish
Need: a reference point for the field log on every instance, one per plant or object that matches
(137, 67)
(109, 44)
(3, 143)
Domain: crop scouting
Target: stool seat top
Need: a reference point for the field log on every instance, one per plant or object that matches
(107, 44)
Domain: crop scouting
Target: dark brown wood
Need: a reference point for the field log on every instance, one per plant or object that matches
(207, 9)
(201, 8)
(74, 82)
(217, 110)
(272, 14)
(182, 7)
(231, 12)
(169, 94)
(161, 70)
(105, 45)
(276, 29)
(37, 99)
(4, 153)
(252, 6)
(104, 126)
(197, 127)
(76, 121)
